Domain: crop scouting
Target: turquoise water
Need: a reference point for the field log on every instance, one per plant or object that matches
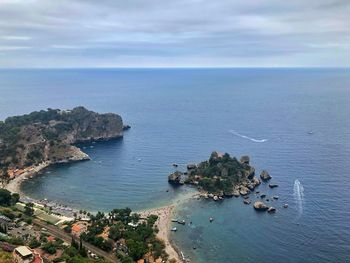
(180, 116)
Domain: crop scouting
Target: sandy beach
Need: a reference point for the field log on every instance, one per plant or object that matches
(14, 185)
(165, 214)
(163, 224)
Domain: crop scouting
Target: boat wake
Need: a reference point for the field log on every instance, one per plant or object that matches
(299, 196)
(246, 137)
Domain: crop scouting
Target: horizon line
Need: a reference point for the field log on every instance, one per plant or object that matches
(178, 67)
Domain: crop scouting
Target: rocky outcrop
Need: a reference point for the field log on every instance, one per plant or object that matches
(265, 176)
(175, 178)
(245, 159)
(126, 127)
(91, 126)
(236, 192)
(271, 210)
(260, 206)
(191, 166)
(244, 190)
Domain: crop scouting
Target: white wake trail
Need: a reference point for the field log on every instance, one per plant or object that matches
(246, 137)
(299, 196)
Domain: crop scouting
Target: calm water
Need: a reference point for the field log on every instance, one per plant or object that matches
(181, 116)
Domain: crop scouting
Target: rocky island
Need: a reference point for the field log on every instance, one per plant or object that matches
(222, 175)
(225, 176)
(33, 141)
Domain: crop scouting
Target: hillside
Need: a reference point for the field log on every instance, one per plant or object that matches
(49, 135)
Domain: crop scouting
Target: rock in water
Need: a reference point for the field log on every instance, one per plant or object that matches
(244, 190)
(260, 206)
(273, 185)
(175, 178)
(245, 159)
(265, 176)
(271, 210)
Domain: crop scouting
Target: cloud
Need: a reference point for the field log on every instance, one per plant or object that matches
(12, 48)
(23, 38)
(113, 33)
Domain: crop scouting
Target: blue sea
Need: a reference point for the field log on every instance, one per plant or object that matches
(292, 122)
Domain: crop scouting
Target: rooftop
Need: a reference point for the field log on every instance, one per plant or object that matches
(24, 251)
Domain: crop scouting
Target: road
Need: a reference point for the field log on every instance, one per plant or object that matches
(57, 232)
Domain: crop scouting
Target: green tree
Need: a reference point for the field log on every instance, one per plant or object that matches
(136, 249)
(14, 198)
(5, 197)
(50, 248)
(34, 243)
(29, 209)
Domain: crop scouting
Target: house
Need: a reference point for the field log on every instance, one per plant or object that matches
(4, 221)
(50, 239)
(79, 228)
(23, 254)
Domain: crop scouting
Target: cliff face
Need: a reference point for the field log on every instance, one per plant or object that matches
(88, 125)
(47, 136)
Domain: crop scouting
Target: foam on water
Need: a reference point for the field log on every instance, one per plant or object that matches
(298, 196)
(246, 137)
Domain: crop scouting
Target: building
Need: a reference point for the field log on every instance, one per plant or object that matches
(4, 221)
(78, 228)
(23, 254)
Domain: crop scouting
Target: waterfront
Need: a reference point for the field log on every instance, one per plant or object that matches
(180, 116)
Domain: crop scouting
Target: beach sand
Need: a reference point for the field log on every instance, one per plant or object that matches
(14, 185)
(165, 214)
(163, 224)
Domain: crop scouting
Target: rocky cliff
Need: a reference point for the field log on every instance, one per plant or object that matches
(48, 136)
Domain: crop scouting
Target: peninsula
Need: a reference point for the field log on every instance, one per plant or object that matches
(33, 141)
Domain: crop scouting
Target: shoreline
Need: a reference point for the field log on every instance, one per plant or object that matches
(14, 185)
(163, 223)
(164, 213)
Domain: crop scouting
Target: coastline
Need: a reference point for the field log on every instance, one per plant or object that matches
(164, 213)
(163, 223)
(14, 185)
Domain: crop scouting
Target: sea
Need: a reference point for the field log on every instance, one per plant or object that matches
(292, 122)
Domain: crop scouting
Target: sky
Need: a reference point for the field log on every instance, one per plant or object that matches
(176, 33)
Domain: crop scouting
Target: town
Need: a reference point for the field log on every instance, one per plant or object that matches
(36, 233)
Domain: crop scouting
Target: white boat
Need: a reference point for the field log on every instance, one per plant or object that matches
(174, 229)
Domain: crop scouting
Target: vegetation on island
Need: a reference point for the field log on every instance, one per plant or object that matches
(220, 175)
(48, 135)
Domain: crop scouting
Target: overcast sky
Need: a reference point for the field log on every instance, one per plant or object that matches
(175, 33)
